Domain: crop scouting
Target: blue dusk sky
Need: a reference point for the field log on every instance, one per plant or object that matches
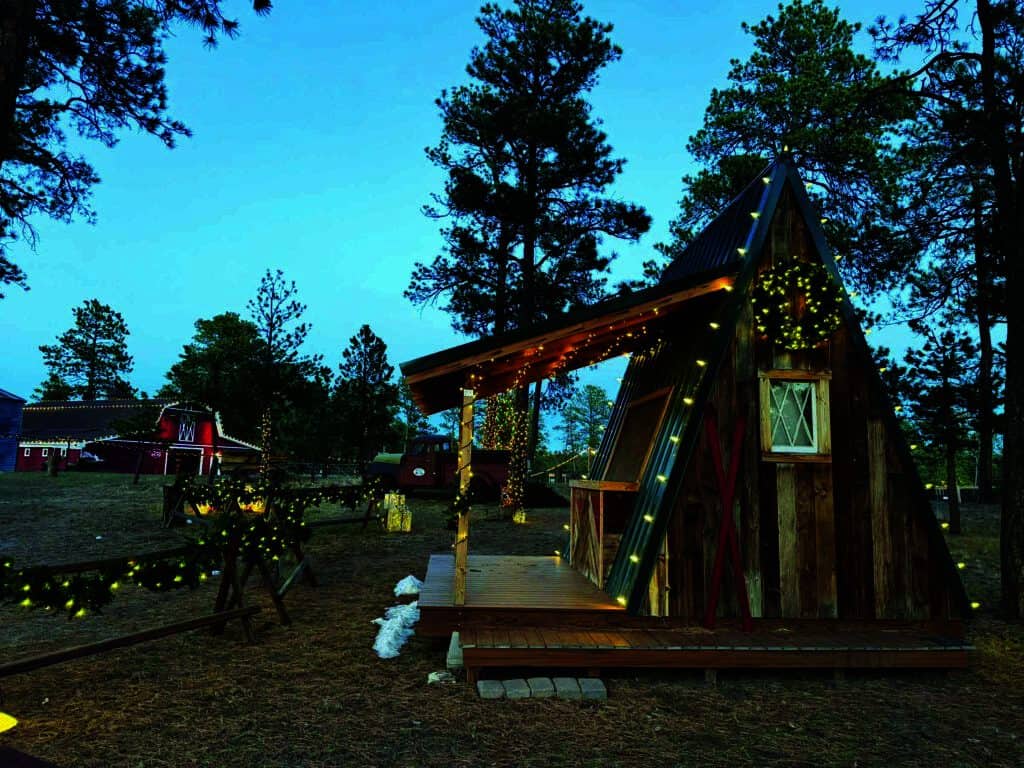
(308, 156)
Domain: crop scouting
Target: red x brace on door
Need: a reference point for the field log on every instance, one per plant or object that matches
(727, 530)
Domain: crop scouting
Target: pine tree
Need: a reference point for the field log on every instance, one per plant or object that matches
(54, 388)
(95, 67)
(526, 170)
(412, 419)
(584, 418)
(991, 44)
(282, 371)
(218, 368)
(92, 356)
(367, 398)
(941, 389)
(805, 91)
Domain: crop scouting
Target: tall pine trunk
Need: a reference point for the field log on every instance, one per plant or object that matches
(986, 395)
(520, 459)
(1009, 241)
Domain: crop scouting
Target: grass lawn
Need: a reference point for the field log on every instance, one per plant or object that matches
(315, 694)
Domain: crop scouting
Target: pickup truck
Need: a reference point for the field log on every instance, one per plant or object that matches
(432, 462)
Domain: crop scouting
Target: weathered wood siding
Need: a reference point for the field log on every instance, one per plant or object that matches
(836, 535)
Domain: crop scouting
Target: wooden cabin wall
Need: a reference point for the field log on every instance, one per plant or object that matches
(694, 528)
(820, 537)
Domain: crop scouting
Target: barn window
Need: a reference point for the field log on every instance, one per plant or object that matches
(63, 451)
(186, 430)
(46, 452)
(793, 422)
(27, 452)
(794, 414)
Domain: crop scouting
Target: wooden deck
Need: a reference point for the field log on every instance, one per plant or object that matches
(542, 591)
(539, 613)
(698, 648)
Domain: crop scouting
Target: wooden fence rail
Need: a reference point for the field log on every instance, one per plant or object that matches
(123, 641)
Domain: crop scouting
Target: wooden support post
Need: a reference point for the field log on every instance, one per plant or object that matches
(465, 474)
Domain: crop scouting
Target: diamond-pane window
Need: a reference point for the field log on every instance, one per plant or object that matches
(187, 430)
(793, 420)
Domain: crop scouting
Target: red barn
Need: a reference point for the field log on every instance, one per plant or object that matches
(159, 435)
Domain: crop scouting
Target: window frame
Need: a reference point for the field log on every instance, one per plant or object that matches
(46, 453)
(666, 394)
(820, 416)
(27, 452)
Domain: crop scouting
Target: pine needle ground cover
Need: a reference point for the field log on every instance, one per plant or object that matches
(315, 694)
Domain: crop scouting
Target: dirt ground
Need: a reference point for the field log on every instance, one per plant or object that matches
(315, 694)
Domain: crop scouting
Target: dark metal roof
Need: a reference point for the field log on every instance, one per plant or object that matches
(717, 245)
(83, 419)
(5, 395)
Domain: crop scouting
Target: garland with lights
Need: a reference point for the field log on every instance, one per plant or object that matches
(818, 299)
(77, 594)
(259, 521)
(460, 506)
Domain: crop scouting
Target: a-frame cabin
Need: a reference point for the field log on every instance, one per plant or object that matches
(750, 387)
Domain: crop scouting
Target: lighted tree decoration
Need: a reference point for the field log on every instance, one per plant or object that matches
(499, 421)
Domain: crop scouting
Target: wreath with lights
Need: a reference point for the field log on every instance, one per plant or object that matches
(797, 305)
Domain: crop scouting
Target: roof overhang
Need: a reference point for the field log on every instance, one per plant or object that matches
(573, 340)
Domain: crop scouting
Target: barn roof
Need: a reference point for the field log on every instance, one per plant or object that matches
(88, 420)
(83, 419)
(5, 395)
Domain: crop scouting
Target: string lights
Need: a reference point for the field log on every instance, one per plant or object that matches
(240, 515)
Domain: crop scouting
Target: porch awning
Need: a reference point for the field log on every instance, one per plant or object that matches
(586, 336)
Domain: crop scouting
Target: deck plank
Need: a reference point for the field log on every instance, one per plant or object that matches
(497, 581)
(691, 648)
